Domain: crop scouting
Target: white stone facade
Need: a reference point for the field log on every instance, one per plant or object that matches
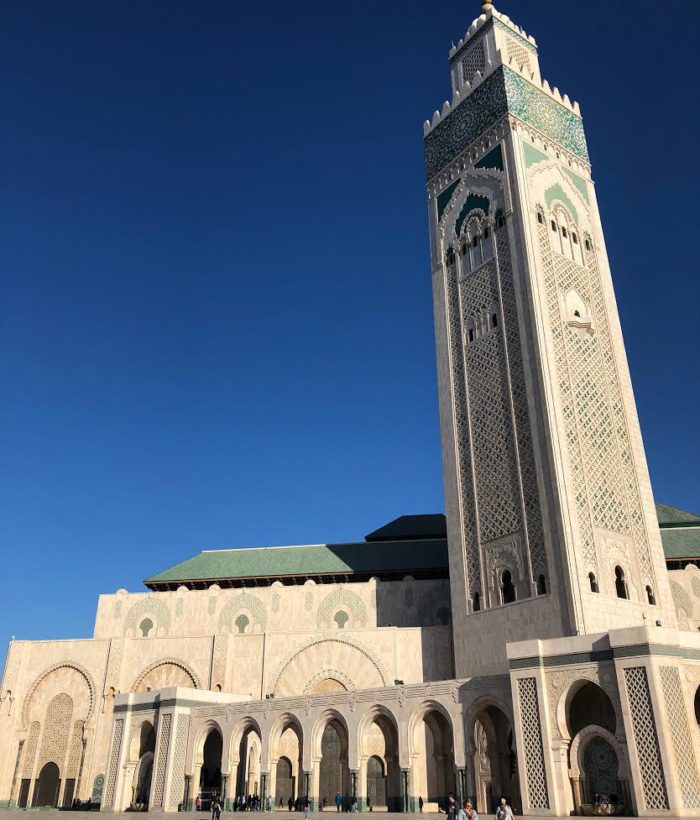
(561, 660)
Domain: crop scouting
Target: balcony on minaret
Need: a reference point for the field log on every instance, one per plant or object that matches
(492, 40)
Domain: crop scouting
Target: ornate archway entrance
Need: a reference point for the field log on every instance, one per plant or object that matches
(144, 776)
(495, 762)
(601, 772)
(284, 782)
(334, 773)
(380, 773)
(143, 772)
(376, 782)
(47, 786)
(210, 774)
(433, 759)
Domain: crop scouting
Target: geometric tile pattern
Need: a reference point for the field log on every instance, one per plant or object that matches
(462, 435)
(348, 600)
(646, 739)
(501, 92)
(76, 748)
(492, 422)
(30, 754)
(518, 395)
(486, 104)
(603, 472)
(108, 800)
(54, 741)
(676, 711)
(518, 54)
(244, 601)
(540, 111)
(474, 60)
(163, 746)
(177, 772)
(538, 793)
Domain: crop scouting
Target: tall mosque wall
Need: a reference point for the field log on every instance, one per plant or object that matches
(283, 641)
(559, 662)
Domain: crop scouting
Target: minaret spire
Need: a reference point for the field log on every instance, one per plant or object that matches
(487, 6)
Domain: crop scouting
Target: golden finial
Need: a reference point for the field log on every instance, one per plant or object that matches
(488, 6)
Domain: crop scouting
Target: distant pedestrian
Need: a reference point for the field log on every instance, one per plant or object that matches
(198, 803)
(420, 804)
(469, 812)
(451, 811)
(504, 811)
(338, 801)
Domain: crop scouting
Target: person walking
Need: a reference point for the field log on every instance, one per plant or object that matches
(468, 812)
(338, 801)
(215, 809)
(504, 811)
(420, 804)
(452, 810)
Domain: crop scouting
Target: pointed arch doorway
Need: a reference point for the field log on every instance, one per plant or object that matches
(47, 786)
(334, 774)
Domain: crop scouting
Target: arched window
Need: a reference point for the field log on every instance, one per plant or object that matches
(507, 588)
(145, 626)
(620, 585)
(341, 618)
(477, 602)
(650, 596)
(593, 582)
(541, 585)
(450, 256)
(242, 622)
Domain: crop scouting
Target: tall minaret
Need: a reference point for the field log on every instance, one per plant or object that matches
(551, 520)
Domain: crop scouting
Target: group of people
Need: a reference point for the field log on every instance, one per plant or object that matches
(300, 804)
(503, 812)
(252, 802)
(84, 805)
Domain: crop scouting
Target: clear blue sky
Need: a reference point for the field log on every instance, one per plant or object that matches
(217, 323)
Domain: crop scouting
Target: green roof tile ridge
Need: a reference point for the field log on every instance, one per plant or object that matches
(676, 516)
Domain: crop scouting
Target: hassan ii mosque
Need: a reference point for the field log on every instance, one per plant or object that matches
(539, 642)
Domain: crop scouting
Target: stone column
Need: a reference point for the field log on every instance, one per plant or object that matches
(470, 782)
(461, 785)
(187, 803)
(306, 785)
(405, 795)
(353, 787)
(576, 785)
(263, 789)
(224, 791)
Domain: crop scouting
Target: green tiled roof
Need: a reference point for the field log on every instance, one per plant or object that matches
(410, 544)
(309, 561)
(681, 542)
(674, 516)
(410, 528)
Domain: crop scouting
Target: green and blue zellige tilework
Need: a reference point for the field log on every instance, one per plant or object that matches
(545, 114)
(502, 92)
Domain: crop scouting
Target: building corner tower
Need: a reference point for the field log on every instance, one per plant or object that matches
(551, 521)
